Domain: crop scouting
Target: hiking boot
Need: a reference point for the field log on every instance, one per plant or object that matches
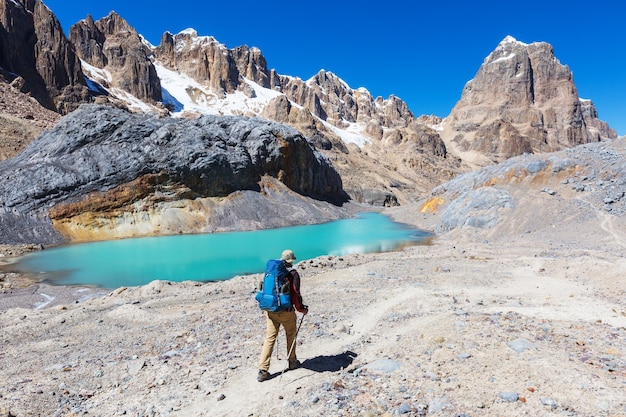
(263, 375)
(294, 364)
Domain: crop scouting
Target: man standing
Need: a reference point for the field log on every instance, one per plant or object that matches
(285, 318)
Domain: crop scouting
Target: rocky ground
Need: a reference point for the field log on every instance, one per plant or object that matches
(475, 324)
(22, 119)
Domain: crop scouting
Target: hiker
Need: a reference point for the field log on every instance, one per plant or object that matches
(285, 318)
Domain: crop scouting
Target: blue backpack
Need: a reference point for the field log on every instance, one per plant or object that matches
(274, 293)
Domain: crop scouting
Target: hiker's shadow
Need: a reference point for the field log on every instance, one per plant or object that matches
(331, 363)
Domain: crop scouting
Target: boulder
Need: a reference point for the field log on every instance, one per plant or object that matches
(101, 159)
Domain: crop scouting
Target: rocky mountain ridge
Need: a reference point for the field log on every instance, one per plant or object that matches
(522, 100)
(323, 108)
(112, 46)
(225, 71)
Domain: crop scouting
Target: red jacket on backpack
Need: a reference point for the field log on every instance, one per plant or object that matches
(294, 287)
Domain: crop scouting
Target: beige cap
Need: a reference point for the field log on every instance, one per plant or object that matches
(288, 256)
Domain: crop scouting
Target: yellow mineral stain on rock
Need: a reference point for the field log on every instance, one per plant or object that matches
(135, 220)
(432, 205)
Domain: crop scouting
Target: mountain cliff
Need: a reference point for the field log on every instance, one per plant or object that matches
(37, 57)
(111, 44)
(521, 100)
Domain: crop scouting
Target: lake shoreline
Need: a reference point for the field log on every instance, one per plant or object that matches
(209, 257)
(25, 291)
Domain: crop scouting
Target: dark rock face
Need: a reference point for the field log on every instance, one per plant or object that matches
(112, 44)
(33, 46)
(100, 148)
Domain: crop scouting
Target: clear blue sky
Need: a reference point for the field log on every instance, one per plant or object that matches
(422, 52)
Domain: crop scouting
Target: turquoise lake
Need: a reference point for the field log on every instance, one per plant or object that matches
(211, 257)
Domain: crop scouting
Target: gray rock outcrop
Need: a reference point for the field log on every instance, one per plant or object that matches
(485, 197)
(101, 163)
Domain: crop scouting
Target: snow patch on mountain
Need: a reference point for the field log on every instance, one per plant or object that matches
(352, 134)
(182, 93)
(99, 80)
(146, 42)
(96, 74)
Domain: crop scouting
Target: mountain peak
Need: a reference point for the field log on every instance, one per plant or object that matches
(189, 32)
(522, 100)
(324, 76)
(511, 40)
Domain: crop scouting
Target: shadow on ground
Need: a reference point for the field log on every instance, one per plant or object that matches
(331, 363)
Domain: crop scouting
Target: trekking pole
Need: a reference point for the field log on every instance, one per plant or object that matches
(292, 346)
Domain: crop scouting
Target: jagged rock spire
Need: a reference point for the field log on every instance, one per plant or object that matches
(34, 47)
(112, 44)
(521, 100)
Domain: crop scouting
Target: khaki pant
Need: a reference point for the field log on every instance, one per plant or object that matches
(274, 320)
